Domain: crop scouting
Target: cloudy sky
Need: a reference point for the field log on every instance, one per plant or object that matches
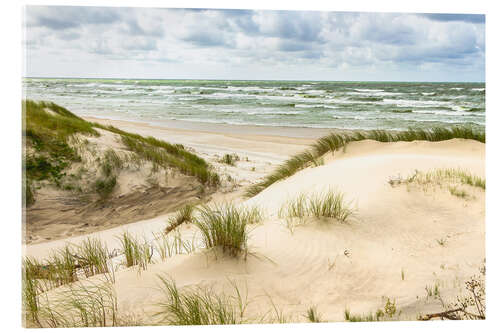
(252, 44)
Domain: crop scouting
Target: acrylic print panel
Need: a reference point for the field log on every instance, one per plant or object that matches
(209, 166)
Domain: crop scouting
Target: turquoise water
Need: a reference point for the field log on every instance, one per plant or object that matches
(349, 105)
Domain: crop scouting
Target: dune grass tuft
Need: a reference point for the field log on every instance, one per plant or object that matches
(185, 214)
(167, 246)
(81, 305)
(229, 159)
(336, 141)
(312, 315)
(447, 175)
(93, 257)
(329, 204)
(224, 226)
(198, 306)
(135, 252)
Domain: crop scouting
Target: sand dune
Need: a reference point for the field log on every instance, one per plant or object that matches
(389, 248)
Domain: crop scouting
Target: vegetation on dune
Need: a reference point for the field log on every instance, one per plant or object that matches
(135, 252)
(199, 306)
(471, 306)
(329, 204)
(167, 155)
(229, 159)
(224, 226)
(48, 127)
(442, 176)
(52, 147)
(185, 214)
(63, 268)
(389, 312)
(312, 315)
(76, 305)
(452, 178)
(336, 141)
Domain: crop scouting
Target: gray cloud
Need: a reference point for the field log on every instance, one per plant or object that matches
(63, 17)
(472, 18)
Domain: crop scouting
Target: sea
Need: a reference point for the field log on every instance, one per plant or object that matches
(315, 104)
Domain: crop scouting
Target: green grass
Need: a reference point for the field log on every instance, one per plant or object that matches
(49, 135)
(135, 252)
(167, 155)
(30, 290)
(295, 208)
(168, 246)
(62, 267)
(93, 257)
(105, 186)
(447, 175)
(329, 204)
(312, 315)
(81, 305)
(198, 306)
(185, 214)
(336, 141)
(378, 316)
(224, 226)
(229, 159)
(110, 163)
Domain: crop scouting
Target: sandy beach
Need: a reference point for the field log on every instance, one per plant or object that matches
(399, 241)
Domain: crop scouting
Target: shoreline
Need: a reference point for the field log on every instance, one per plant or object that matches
(299, 132)
(267, 143)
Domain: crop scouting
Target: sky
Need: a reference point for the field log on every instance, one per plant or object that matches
(159, 43)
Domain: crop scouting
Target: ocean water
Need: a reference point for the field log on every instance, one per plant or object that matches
(347, 105)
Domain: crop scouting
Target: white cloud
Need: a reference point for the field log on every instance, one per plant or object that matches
(252, 44)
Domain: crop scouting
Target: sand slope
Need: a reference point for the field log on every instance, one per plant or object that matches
(336, 266)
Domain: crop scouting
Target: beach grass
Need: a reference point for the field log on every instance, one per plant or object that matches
(81, 305)
(47, 130)
(62, 267)
(446, 175)
(167, 246)
(93, 257)
(53, 147)
(224, 226)
(165, 154)
(336, 141)
(312, 315)
(31, 289)
(185, 214)
(295, 208)
(329, 204)
(229, 159)
(135, 252)
(198, 306)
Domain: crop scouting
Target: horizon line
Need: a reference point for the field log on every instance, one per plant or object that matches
(195, 79)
